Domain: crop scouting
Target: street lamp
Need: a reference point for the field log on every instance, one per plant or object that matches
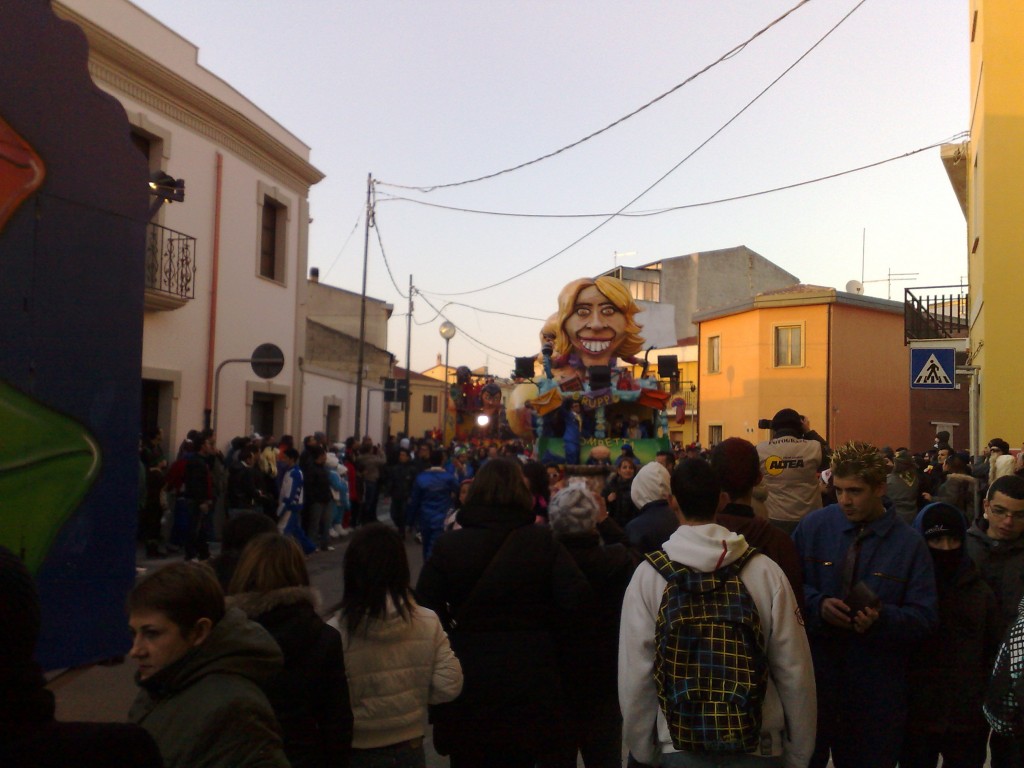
(447, 331)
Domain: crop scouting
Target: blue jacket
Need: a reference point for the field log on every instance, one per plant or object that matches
(432, 494)
(894, 562)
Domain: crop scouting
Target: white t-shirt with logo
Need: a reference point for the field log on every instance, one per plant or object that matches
(790, 467)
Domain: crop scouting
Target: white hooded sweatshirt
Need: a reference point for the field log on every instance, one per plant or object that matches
(789, 712)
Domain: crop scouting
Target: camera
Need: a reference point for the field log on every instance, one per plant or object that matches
(764, 423)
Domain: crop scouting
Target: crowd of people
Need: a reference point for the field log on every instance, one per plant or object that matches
(780, 604)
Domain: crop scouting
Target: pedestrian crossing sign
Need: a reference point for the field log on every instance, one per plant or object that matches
(933, 368)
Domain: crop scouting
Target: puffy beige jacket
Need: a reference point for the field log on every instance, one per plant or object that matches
(395, 668)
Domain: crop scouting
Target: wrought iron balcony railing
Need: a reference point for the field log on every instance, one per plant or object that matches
(940, 315)
(170, 265)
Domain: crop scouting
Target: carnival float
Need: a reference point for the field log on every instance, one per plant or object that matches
(588, 395)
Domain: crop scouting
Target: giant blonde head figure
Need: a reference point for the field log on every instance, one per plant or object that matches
(596, 321)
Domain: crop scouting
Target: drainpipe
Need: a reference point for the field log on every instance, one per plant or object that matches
(215, 271)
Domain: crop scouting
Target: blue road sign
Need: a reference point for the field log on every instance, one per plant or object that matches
(933, 368)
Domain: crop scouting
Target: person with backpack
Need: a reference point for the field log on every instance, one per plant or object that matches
(714, 664)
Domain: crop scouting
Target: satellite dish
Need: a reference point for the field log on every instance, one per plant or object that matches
(855, 286)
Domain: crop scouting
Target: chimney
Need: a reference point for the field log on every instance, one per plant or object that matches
(439, 358)
(314, 274)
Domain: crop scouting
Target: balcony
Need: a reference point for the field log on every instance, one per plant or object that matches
(170, 268)
(943, 314)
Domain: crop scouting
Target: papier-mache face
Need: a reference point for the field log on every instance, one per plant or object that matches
(596, 321)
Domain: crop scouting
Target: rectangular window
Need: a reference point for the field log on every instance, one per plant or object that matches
(714, 354)
(270, 256)
(714, 435)
(430, 403)
(332, 424)
(788, 352)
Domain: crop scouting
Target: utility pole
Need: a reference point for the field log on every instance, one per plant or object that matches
(362, 307)
(408, 360)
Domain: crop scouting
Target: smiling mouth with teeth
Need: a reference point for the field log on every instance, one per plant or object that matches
(595, 346)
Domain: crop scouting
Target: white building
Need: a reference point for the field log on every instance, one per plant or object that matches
(241, 281)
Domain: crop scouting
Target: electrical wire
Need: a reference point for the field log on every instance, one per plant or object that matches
(376, 229)
(342, 249)
(463, 330)
(674, 208)
(478, 309)
(724, 57)
(669, 172)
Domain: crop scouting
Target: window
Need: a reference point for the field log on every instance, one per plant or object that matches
(714, 354)
(714, 435)
(788, 352)
(269, 259)
(272, 235)
(430, 403)
(332, 424)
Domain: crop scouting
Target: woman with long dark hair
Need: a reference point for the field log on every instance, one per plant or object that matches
(310, 695)
(399, 658)
(503, 588)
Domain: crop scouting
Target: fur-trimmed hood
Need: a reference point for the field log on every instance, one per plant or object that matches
(255, 604)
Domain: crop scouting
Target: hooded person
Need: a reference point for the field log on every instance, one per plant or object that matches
(30, 737)
(700, 546)
(946, 685)
(656, 520)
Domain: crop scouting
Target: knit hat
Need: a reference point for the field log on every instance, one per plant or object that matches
(19, 612)
(573, 510)
(941, 519)
(652, 483)
(787, 418)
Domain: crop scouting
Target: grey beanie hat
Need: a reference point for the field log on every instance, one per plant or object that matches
(573, 510)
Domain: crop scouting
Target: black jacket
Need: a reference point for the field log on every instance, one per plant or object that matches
(310, 695)
(1001, 564)
(506, 635)
(948, 674)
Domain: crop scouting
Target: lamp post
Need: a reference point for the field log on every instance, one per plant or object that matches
(447, 331)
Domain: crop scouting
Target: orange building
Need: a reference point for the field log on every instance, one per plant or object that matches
(837, 358)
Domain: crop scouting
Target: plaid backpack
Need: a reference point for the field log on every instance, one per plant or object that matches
(710, 664)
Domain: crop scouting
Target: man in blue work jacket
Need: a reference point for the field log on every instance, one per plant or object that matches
(869, 591)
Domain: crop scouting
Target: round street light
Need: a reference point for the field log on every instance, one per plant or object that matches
(447, 331)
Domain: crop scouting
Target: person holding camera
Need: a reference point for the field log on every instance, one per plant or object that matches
(790, 462)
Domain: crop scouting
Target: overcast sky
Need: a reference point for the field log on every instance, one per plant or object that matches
(436, 92)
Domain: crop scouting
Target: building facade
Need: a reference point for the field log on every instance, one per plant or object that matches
(225, 268)
(985, 173)
(837, 358)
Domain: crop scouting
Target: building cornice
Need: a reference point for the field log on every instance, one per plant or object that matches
(126, 70)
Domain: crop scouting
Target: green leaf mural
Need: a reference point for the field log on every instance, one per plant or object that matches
(48, 462)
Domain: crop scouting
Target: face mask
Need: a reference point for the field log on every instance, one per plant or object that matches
(946, 561)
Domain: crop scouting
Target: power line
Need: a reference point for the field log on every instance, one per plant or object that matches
(463, 330)
(478, 309)
(670, 171)
(342, 249)
(376, 229)
(724, 57)
(674, 208)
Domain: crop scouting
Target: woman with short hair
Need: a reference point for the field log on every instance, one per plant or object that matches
(200, 671)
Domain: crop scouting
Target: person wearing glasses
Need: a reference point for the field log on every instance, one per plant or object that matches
(996, 545)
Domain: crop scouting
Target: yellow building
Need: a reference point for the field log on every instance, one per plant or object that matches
(986, 174)
(837, 358)
(426, 401)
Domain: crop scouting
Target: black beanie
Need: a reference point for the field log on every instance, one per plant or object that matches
(941, 519)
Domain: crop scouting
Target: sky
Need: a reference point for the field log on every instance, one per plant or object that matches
(422, 94)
